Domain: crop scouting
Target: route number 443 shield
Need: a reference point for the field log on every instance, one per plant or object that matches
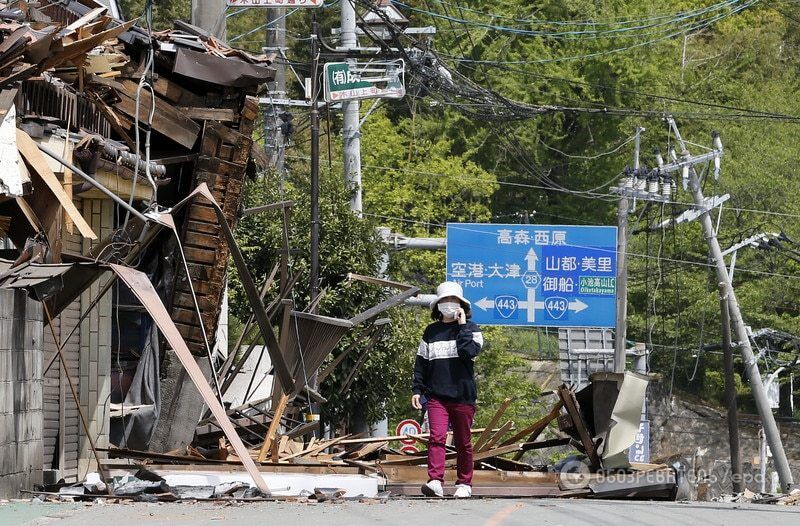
(506, 306)
(556, 307)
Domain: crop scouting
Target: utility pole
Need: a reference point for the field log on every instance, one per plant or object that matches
(210, 15)
(754, 375)
(314, 278)
(622, 267)
(730, 393)
(351, 135)
(275, 43)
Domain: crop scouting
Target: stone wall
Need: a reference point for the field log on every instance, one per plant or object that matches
(20, 393)
(696, 436)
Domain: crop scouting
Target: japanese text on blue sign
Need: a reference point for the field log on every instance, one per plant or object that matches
(539, 275)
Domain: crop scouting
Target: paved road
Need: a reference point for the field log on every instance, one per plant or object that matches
(497, 512)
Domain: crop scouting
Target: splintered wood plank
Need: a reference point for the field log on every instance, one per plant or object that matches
(497, 436)
(209, 114)
(35, 159)
(175, 93)
(273, 427)
(200, 212)
(197, 239)
(535, 429)
(203, 228)
(490, 426)
(167, 119)
(200, 255)
(204, 302)
(571, 405)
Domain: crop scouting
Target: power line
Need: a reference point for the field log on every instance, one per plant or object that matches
(578, 193)
(610, 32)
(592, 22)
(698, 26)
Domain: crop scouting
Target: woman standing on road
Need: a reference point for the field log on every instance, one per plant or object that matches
(444, 382)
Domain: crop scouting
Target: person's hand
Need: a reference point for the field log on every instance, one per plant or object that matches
(461, 316)
(415, 402)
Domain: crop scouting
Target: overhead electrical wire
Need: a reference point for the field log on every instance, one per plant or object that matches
(610, 32)
(685, 30)
(593, 22)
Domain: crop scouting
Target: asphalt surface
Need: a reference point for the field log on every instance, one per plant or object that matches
(489, 512)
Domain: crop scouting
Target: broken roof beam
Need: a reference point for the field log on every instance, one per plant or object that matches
(282, 374)
(140, 285)
(167, 119)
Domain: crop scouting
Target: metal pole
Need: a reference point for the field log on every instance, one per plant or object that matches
(314, 278)
(114, 197)
(622, 269)
(754, 375)
(210, 15)
(730, 393)
(276, 43)
(351, 136)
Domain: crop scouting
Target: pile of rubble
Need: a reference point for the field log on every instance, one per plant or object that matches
(783, 499)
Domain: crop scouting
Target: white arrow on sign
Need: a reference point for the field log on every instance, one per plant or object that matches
(531, 258)
(575, 305)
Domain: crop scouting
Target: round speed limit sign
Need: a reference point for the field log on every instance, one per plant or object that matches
(408, 427)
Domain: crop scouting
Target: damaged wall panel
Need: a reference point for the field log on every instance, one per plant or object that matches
(95, 340)
(20, 392)
(62, 427)
(222, 165)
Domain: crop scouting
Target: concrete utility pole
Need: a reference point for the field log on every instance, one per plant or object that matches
(275, 43)
(210, 15)
(622, 268)
(351, 135)
(730, 393)
(314, 264)
(754, 375)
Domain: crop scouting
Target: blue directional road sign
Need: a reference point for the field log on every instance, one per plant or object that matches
(535, 275)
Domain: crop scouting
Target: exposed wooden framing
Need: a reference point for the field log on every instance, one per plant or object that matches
(534, 430)
(273, 427)
(493, 422)
(209, 114)
(571, 405)
(505, 428)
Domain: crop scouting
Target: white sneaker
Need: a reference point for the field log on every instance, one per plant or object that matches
(433, 488)
(463, 491)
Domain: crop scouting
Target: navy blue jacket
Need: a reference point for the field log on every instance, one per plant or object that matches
(444, 368)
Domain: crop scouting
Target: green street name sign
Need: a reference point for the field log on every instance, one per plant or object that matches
(343, 81)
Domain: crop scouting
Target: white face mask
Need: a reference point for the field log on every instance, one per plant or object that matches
(449, 309)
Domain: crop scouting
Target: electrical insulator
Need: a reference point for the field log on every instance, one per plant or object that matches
(659, 157)
(716, 140)
(672, 155)
(628, 182)
(685, 171)
(641, 180)
(666, 187)
(652, 183)
(716, 167)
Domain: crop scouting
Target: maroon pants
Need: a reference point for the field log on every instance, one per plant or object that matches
(459, 416)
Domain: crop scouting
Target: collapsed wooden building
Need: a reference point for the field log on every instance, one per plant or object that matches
(124, 157)
(73, 101)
